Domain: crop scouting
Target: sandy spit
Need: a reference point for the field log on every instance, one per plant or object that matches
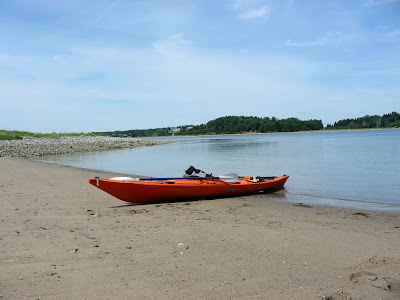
(64, 239)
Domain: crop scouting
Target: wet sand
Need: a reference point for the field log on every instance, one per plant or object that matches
(64, 239)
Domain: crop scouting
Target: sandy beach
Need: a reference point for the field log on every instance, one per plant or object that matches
(64, 239)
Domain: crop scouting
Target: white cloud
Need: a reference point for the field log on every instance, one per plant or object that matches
(393, 34)
(262, 12)
(378, 2)
(135, 63)
(61, 59)
(244, 4)
(106, 11)
(237, 4)
(172, 43)
(250, 9)
(323, 41)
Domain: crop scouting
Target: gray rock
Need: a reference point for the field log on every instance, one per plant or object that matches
(183, 245)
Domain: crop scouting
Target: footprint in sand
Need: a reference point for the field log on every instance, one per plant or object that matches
(385, 283)
(338, 296)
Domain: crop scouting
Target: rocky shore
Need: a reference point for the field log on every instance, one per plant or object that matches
(29, 147)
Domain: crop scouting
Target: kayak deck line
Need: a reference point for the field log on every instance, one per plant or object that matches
(171, 189)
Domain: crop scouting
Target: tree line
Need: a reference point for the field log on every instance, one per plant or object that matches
(242, 124)
(375, 121)
(167, 131)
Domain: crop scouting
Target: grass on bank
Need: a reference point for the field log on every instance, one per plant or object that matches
(19, 135)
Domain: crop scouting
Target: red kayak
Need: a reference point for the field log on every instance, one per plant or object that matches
(150, 190)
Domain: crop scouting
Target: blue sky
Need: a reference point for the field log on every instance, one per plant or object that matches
(100, 65)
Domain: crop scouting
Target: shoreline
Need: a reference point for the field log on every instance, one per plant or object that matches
(261, 133)
(62, 239)
(36, 147)
(302, 199)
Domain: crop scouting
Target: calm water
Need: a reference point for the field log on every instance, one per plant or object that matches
(359, 169)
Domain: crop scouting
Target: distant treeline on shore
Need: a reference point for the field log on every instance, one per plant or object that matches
(231, 125)
(241, 124)
(386, 121)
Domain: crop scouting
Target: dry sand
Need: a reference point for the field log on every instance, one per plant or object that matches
(64, 239)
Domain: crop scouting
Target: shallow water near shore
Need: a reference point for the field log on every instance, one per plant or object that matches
(355, 169)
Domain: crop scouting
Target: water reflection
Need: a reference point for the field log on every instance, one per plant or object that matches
(227, 145)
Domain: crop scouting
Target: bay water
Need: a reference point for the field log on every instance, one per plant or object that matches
(354, 169)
